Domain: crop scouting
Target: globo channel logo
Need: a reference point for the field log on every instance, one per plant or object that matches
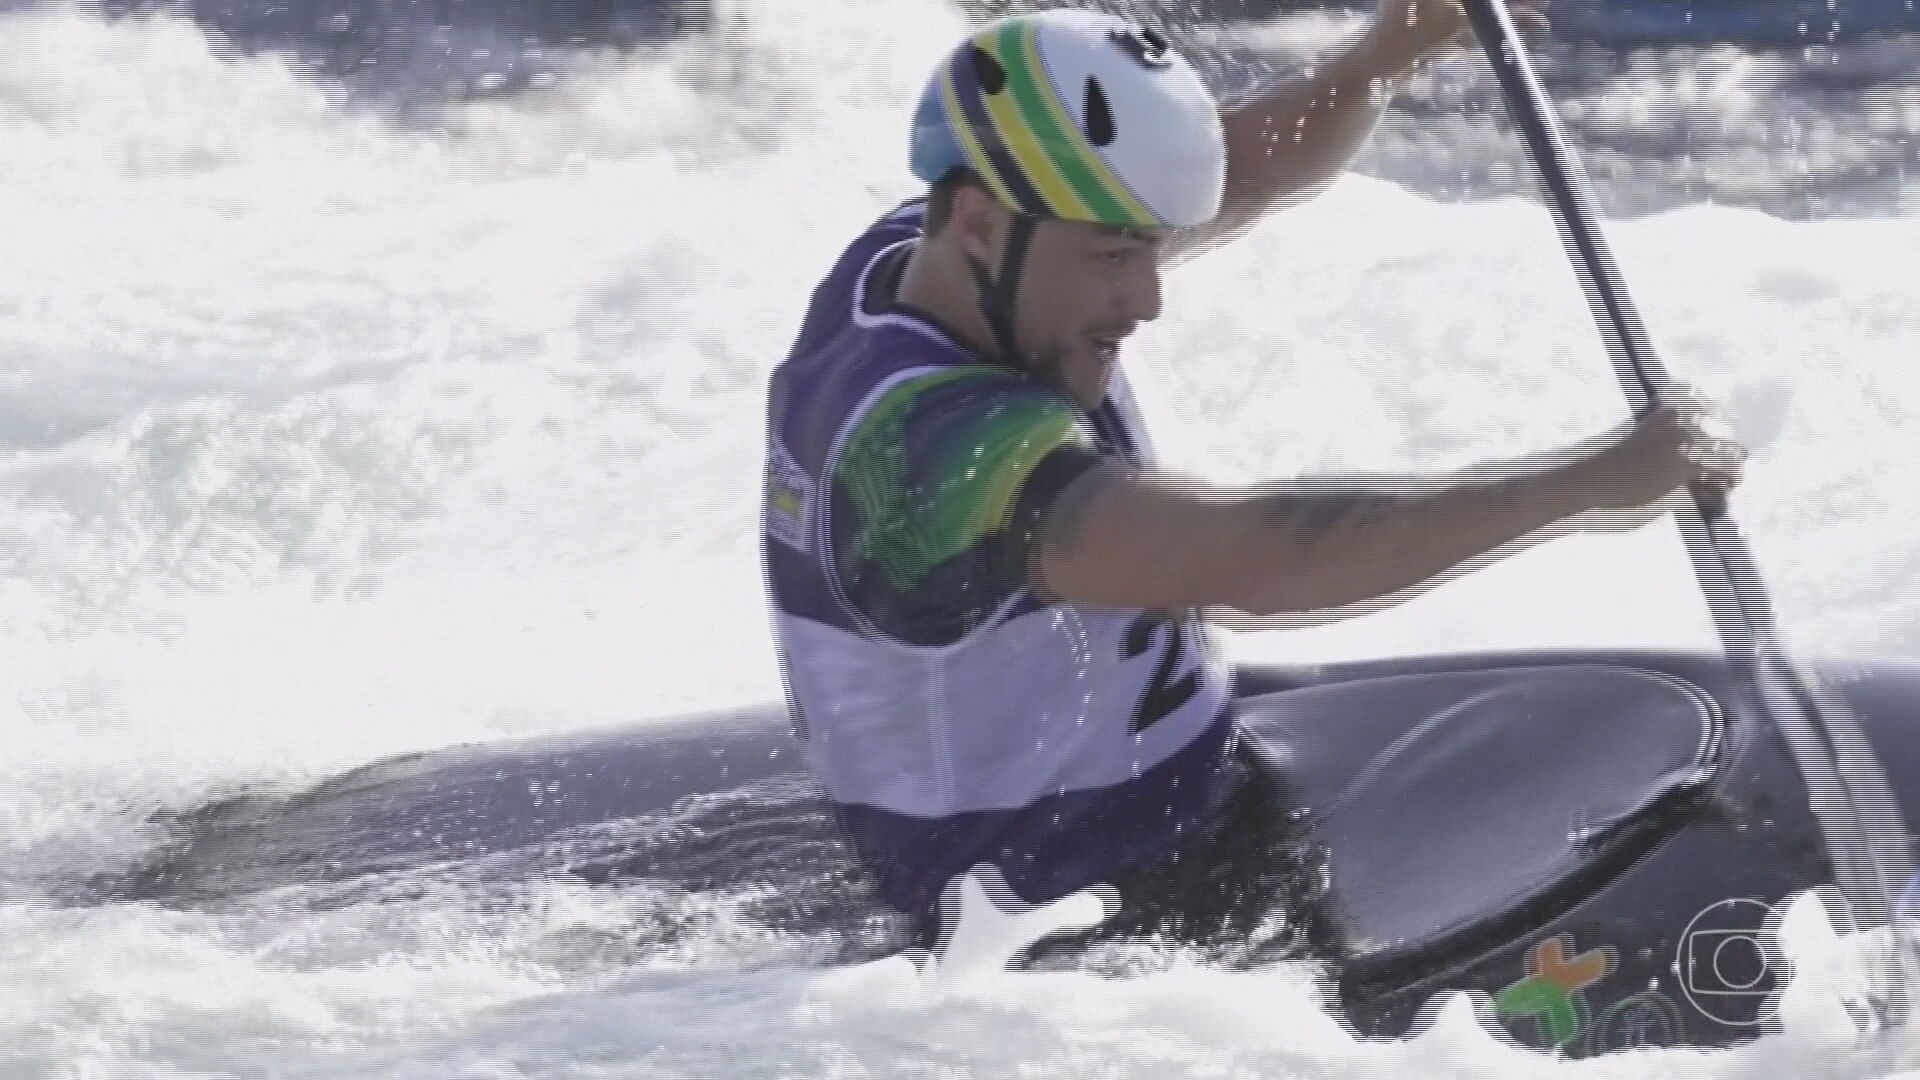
(1729, 965)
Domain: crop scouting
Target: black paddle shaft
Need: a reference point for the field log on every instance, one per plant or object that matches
(1851, 797)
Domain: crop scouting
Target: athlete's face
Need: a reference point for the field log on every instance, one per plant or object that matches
(1083, 289)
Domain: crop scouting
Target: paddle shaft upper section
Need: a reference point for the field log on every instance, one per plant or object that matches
(1865, 832)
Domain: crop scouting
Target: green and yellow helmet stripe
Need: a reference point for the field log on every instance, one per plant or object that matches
(967, 134)
(1022, 141)
(1013, 114)
(1096, 193)
(1157, 162)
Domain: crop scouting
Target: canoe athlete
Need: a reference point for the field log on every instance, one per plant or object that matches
(989, 603)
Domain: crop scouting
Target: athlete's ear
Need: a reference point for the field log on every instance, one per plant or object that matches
(979, 223)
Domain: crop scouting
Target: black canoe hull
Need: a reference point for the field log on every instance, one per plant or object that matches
(1662, 937)
(1670, 943)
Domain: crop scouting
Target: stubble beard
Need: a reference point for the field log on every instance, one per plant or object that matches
(1054, 368)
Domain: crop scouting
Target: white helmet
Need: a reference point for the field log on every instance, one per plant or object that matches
(1076, 116)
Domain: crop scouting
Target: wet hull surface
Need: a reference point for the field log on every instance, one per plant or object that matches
(1592, 843)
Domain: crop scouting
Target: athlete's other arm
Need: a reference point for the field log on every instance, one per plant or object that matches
(1124, 538)
(1291, 141)
(1287, 142)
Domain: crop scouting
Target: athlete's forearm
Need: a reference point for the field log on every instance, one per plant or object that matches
(1326, 550)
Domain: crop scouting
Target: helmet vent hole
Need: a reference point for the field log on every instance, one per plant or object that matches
(993, 77)
(1099, 114)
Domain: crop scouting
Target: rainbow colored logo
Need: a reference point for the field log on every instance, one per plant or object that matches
(1554, 990)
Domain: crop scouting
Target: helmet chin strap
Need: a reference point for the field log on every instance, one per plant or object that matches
(997, 297)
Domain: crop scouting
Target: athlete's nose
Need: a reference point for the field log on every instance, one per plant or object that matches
(1142, 294)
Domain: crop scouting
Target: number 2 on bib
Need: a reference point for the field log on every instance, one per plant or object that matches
(1164, 693)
